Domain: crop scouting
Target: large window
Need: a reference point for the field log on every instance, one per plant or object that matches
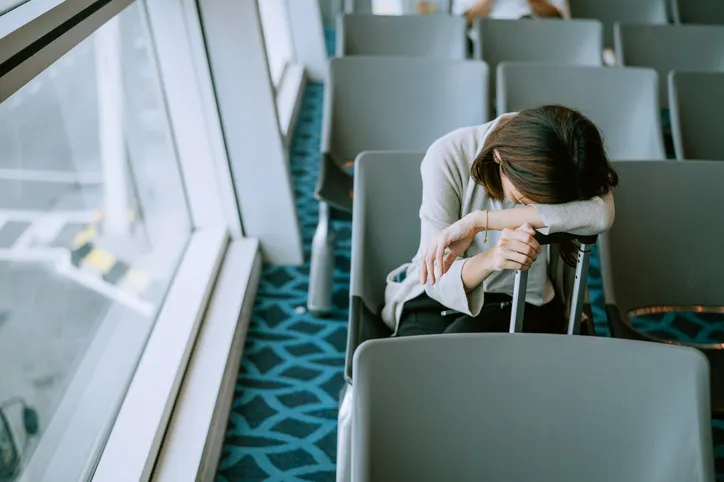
(287, 75)
(93, 223)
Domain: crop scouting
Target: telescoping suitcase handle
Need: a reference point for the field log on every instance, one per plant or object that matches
(579, 287)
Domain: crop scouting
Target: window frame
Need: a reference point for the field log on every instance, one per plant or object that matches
(290, 84)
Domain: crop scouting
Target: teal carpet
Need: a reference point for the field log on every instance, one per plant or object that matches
(282, 425)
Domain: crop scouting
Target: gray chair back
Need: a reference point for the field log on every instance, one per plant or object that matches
(663, 249)
(386, 228)
(697, 114)
(432, 36)
(623, 103)
(609, 12)
(518, 407)
(385, 235)
(701, 12)
(670, 47)
(399, 103)
(574, 42)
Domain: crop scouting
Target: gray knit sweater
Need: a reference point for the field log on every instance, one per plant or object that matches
(449, 193)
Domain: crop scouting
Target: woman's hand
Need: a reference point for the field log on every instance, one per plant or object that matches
(516, 249)
(456, 238)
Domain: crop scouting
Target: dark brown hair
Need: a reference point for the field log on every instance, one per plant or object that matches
(552, 155)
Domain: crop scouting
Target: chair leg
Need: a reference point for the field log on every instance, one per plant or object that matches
(344, 436)
(321, 269)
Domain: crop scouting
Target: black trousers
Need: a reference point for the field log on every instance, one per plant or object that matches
(425, 316)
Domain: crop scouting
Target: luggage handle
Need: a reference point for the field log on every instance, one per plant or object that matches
(579, 287)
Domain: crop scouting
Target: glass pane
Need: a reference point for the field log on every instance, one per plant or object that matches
(93, 222)
(277, 36)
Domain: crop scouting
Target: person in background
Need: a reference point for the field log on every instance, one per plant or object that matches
(509, 9)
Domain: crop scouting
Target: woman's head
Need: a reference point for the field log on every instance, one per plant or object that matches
(545, 155)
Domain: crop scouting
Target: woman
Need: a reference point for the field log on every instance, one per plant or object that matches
(485, 190)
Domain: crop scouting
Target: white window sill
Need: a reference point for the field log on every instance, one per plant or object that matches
(289, 99)
(136, 436)
(195, 435)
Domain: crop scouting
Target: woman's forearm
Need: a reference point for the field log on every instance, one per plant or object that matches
(507, 219)
(480, 9)
(541, 8)
(476, 270)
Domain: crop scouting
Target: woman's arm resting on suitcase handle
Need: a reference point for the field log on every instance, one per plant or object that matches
(499, 220)
(479, 267)
(592, 216)
(589, 217)
(515, 249)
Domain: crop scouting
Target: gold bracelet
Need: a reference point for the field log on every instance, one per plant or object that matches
(485, 236)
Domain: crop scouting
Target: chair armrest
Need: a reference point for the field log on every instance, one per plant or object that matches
(620, 327)
(334, 185)
(363, 325)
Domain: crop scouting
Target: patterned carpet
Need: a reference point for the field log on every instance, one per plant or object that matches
(283, 421)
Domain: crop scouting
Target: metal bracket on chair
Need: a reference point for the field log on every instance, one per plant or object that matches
(519, 291)
(579, 289)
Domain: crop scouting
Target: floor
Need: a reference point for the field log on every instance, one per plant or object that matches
(283, 421)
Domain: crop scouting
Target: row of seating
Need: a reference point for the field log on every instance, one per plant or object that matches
(508, 398)
(406, 103)
(665, 49)
(388, 103)
(703, 12)
(609, 12)
(639, 393)
(578, 42)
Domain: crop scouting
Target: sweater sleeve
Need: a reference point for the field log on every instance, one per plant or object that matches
(584, 218)
(441, 204)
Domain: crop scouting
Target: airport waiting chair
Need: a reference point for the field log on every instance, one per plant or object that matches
(609, 12)
(623, 103)
(667, 48)
(432, 36)
(661, 259)
(696, 102)
(571, 42)
(518, 407)
(700, 12)
(384, 103)
(385, 236)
